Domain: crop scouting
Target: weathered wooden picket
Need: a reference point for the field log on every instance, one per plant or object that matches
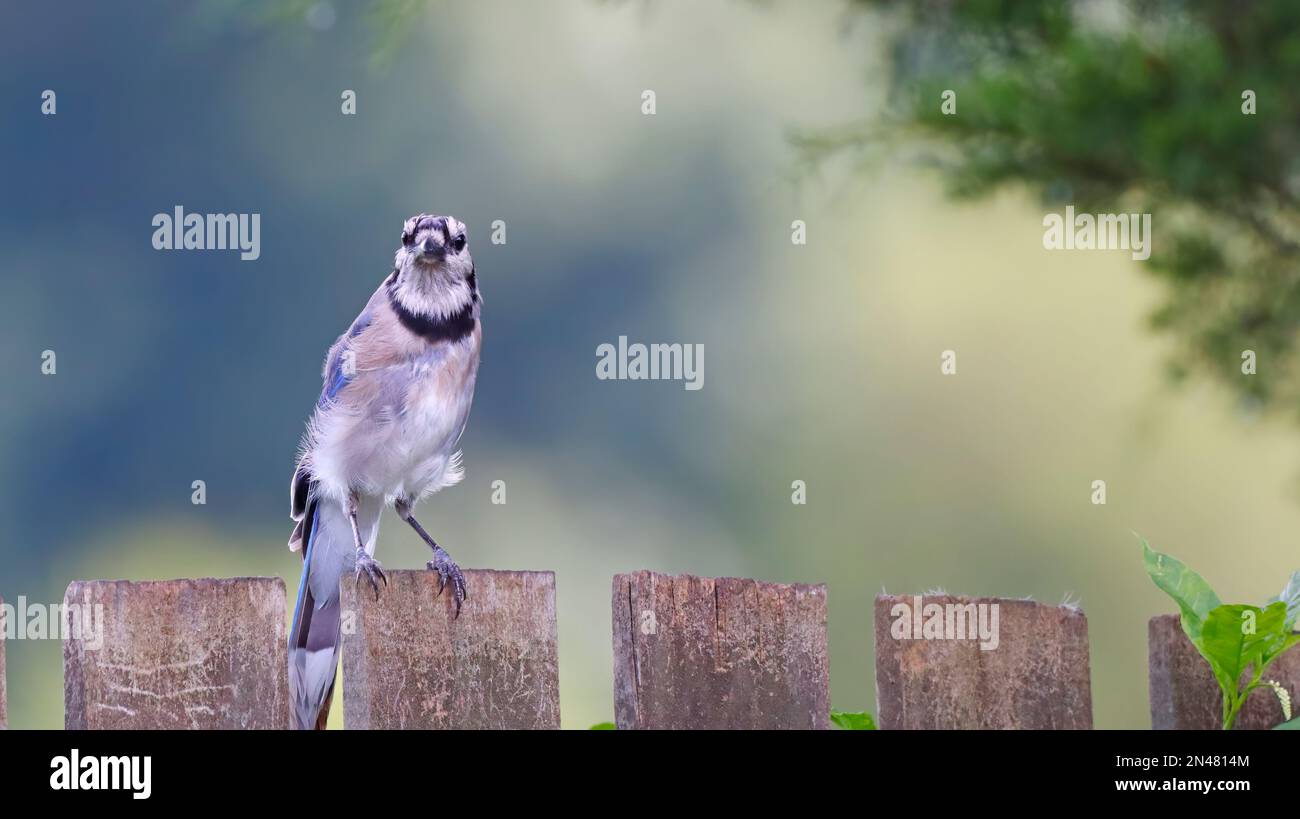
(178, 654)
(695, 652)
(408, 662)
(1184, 694)
(1036, 674)
(689, 652)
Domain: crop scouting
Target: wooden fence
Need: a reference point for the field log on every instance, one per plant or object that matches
(1184, 693)
(695, 652)
(178, 654)
(936, 669)
(689, 652)
(409, 663)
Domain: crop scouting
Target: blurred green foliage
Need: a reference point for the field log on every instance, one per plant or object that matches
(388, 21)
(1124, 107)
(853, 720)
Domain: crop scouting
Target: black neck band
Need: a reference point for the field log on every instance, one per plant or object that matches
(435, 329)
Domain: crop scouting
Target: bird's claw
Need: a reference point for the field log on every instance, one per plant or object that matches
(448, 572)
(372, 571)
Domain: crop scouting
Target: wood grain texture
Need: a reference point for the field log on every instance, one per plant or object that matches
(206, 653)
(1184, 694)
(409, 664)
(698, 652)
(1037, 676)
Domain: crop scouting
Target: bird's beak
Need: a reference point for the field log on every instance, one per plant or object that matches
(432, 251)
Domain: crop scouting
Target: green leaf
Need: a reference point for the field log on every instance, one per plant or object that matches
(1189, 590)
(1237, 636)
(1222, 643)
(603, 726)
(1281, 644)
(1280, 638)
(853, 720)
(1291, 597)
(1291, 725)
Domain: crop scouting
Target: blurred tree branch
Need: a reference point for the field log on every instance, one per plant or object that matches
(1128, 106)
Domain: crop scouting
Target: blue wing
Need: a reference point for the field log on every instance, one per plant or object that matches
(335, 376)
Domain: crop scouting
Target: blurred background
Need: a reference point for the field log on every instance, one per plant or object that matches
(924, 234)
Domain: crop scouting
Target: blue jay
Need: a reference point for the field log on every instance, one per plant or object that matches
(397, 393)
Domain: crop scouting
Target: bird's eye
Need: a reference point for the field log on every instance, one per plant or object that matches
(458, 242)
(407, 238)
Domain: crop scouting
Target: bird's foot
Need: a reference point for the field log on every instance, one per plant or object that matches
(369, 568)
(448, 572)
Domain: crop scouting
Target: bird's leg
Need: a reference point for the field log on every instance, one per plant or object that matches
(365, 563)
(448, 571)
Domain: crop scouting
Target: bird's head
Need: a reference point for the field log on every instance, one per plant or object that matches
(436, 246)
(434, 273)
